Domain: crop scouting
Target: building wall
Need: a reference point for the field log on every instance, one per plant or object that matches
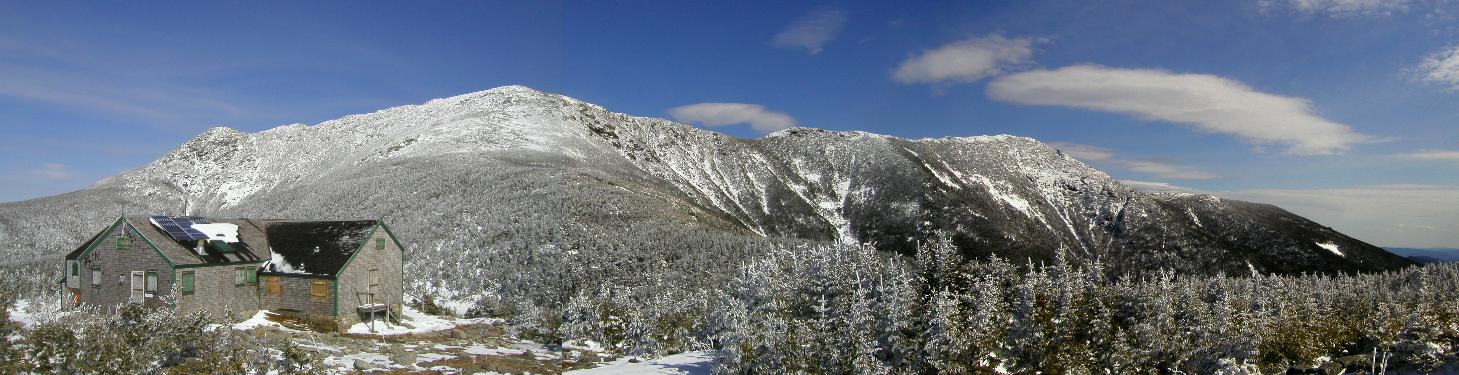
(116, 266)
(295, 295)
(215, 291)
(387, 259)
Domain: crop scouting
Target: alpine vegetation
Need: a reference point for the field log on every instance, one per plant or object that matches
(801, 251)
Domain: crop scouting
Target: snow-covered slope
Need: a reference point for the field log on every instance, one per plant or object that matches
(515, 167)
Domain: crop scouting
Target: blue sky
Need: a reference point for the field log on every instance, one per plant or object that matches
(1346, 111)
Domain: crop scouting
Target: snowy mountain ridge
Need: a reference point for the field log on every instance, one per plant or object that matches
(551, 166)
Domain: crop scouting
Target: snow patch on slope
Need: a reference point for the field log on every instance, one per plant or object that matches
(700, 362)
(1330, 247)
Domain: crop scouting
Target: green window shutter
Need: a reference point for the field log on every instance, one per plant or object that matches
(251, 275)
(187, 282)
(123, 242)
(238, 276)
(151, 281)
(75, 269)
(379, 243)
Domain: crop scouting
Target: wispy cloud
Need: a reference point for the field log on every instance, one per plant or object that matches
(1405, 215)
(1445, 155)
(1441, 68)
(53, 171)
(965, 61)
(1161, 168)
(723, 114)
(67, 76)
(1387, 215)
(1205, 102)
(812, 31)
(1338, 8)
(1160, 187)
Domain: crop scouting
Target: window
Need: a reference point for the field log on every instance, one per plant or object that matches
(272, 287)
(245, 276)
(318, 290)
(75, 269)
(123, 242)
(151, 282)
(187, 282)
(374, 276)
(96, 276)
(379, 243)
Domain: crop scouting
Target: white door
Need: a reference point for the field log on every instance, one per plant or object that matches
(139, 287)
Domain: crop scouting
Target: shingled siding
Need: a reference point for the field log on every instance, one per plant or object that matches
(215, 290)
(116, 266)
(354, 279)
(295, 295)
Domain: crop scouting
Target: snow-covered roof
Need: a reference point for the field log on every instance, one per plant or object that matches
(317, 248)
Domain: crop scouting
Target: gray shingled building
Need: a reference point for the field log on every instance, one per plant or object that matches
(339, 272)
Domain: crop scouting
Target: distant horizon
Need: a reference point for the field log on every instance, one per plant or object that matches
(1341, 112)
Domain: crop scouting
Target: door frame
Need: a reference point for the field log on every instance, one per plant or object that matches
(137, 291)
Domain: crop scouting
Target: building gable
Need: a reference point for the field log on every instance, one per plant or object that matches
(122, 221)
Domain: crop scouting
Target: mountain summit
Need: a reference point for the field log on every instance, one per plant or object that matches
(516, 167)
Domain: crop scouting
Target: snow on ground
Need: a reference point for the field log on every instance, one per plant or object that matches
(700, 362)
(482, 350)
(583, 345)
(348, 361)
(21, 314)
(431, 357)
(412, 321)
(458, 303)
(259, 319)
(1330, 247)
(28, 313)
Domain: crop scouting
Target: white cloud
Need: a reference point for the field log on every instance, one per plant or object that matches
(722, 114)
(965, 61)
(1156, 167)
(1160, 187)
(1441, 67)
(53, 171)
(1339, 8)
(1206, 102)
(1084, 153)
(811, 31)
(1385, 215)
(1167, 169)
(1448, 155)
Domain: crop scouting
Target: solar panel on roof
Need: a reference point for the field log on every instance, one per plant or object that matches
(180, 228)
(195, 234)
(199, 220)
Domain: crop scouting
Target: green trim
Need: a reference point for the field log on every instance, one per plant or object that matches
(391, 233)
(347, 262)
(98, 240)
(171, 265)
(205, 265)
